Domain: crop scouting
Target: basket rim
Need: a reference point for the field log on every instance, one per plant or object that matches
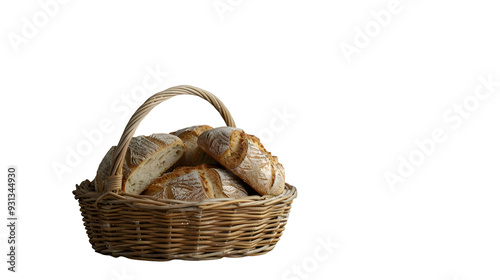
(86, 192)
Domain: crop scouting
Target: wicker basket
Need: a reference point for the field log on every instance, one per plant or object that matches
(146, 228)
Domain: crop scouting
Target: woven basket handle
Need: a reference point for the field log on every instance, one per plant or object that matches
(115, 179)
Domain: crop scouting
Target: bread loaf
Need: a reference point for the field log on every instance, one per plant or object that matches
(245, 156)
(232, 186)
(184, 183)
(193, 155)
(147, 157)
(196, 183)
(104, 170)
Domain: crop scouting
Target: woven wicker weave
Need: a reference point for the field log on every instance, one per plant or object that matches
(147, 228)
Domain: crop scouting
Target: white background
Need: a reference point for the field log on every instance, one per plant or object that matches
(350, 120)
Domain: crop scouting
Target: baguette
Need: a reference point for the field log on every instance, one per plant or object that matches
(147, 157)
(245, 156)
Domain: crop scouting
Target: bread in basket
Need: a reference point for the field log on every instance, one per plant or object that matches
(146, 227)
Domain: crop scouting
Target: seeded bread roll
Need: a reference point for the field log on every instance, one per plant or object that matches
(245, 156)
(193, 155)
(147, 158)
(196, 183)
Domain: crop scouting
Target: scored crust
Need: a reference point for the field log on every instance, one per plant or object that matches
(104, 170)
(245, 156)
(183, 183)
(147, 157)
(216, 141)
(196, 183)
(232, 186)
(193, 155)
(196, 129)
(238, 147)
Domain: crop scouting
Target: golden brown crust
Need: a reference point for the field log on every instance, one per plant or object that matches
(193, 155)
(245, 156)
(104, 170)
(154, 187)
(215, 142)
(140, 150)
(213, 180)
(197, 183)
(237, 151)
(196, 130)
(231, 185)
(183, 183)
